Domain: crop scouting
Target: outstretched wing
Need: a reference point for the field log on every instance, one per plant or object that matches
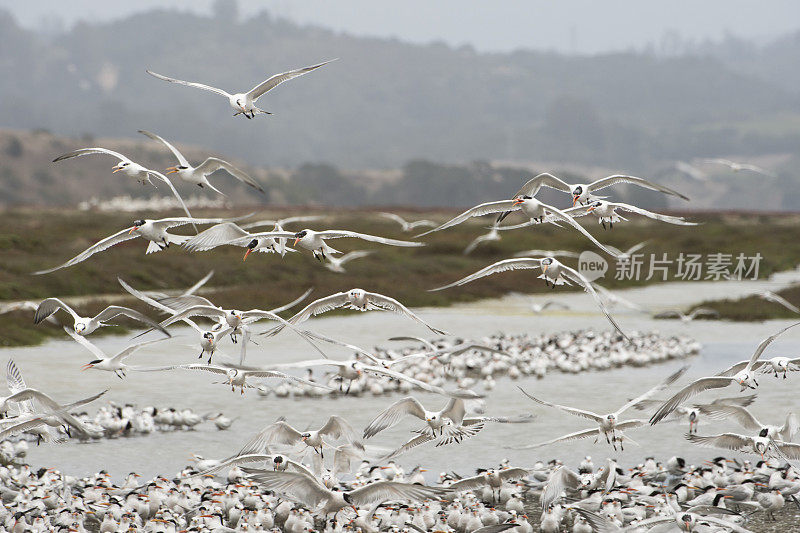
(382, 491)
(577, 277)
(393, 414)
(561, 479)
(692, 389)
(672, 378)
(608, 181)
(390, 304)
(742, 416)
(338, 234)
(277, 79)
(50, 306)
(571, 410)
(728, 441)
(213, 164)
(115, 310)
(189, 84)
(655, 216)
(500, 266)
(179, 156)
(108, 242)
(545, 179)
(477, 211)
(90, 151)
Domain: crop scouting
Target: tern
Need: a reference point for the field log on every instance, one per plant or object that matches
(742, 373)
(686, 318)
(336, 264)
(245, 103)
(282, 433)
(583, 192)
(536, 211)
(130, 168)
(236, 376)
(281, 222)
(538, 308)
(780, 365)
(761, 444)
(113, 364)
(153, 231)
(778, 299)
(553, 271)
(489, 478)
(313, 494)
(547, 253)
(88, 325)
(738, 167)
(745, 418)
(562, 478)
(230, 234)
(199, 175)
(315, 240)
(606, 211)
(492, 236)
(454, 411)
(280, 463)
(408, 225)
(681, 521)
(359, 300)
(608, 424)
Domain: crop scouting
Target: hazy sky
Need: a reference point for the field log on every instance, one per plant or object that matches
(584, 26)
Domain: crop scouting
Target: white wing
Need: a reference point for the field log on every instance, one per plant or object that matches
(113, 311)
(97, 352)
(655, 216)
(317, 307)
(575, 276)
(763, 346)
(179, 156)
(421, 384)
(292, 303)
(561, 479)
(477, 211)
(608, 181)
(90, 151)
(166, 180)
(778, 299)
(571, 410)
(299, 487)
(382, 491)
(350, 256)
(225, 233)
(161, 307)
(692, 389)
(582, 434)
(338, 234)
(277, 79)
(279, 432)
(108, 242)
(729, 441)
(213, 164)
(190, 84)
(338, 428)
(500, 266)
(672, 378)
(195, 310)
(391, 216)
(390, 304)
(742, 416)
(393, 414)
(50, 306)
(544, 179)
(560, 215)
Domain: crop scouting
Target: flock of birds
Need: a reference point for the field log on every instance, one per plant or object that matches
(290, 479)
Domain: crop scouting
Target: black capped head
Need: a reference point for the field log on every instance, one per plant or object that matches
(300, 234)
(253, 244)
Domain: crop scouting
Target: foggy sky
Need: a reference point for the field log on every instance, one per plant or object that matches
(574, 26)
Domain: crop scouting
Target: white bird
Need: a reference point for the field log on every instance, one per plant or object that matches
(26, 305)
(454, 411)
(608, 424)
(583, 192)
(606, 211)
(492, 236)
(690, 170)
(315, 240)
(408, 225)
(491, 478)
(742, 373)
(538, 308)
(780, 365)
(279, 463)
(686, 318)
(236, 375)
(778, 299)
(680, 521)
(536, 211)
(199, 175)
(230, 234)
(761, 444)
(553, 271)
(336, 264)
(113, 364)
(280, 432)
(748, 421)
(738, 167)
(313, 494)
(130, 168)
(87, 325)
(153, 231)
(280, 222)
(359, 300)
(245, 103)
(547, 253)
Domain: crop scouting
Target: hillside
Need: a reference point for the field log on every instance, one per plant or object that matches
(386, 102)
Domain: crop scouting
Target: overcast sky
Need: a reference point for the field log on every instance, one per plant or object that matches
(585, 26)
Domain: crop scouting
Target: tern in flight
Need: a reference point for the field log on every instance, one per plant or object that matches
(245, 103)
(130, 168)
(88, 325)
(199, 175)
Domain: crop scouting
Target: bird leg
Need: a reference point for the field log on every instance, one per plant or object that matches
(603, 222)
(348, 388)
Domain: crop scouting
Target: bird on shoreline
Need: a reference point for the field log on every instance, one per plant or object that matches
(199, 175)
(131, 169)
(245, 103)
(88, 325)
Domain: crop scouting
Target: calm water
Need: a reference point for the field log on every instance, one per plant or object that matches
(55, 368)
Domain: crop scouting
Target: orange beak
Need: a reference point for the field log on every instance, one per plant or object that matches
(518, 201)
(172, 170)
(246, 254)
(590, 209)
(133, 229)
(295, 242)
(87, 366)
(116, 168)
(575, 200)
